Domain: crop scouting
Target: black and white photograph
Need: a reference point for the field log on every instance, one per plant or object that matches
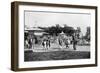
(52, 35)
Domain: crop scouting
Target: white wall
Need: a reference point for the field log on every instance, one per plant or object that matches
(5, 26)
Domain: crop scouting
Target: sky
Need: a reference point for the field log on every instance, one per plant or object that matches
(46, 19)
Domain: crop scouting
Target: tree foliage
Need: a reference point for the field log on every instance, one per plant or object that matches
(87, 35)
(55, 30)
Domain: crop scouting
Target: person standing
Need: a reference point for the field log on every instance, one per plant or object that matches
(74, 41)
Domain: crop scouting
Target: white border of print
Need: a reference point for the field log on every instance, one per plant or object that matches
(33, 64)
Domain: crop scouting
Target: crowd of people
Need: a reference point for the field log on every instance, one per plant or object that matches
(47, 42)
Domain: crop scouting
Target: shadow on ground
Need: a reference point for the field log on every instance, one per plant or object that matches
(55, 55)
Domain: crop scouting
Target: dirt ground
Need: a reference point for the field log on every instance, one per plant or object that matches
(29, 55)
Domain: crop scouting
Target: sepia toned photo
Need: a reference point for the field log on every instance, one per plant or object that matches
(52, 35)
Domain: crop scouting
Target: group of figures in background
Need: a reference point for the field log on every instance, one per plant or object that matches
(46, 41)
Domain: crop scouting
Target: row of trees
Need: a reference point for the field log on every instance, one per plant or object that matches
(55, 30)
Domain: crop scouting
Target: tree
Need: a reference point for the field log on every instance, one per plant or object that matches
(87, 35)
(68, 30)
(78, 30)
(55, 30)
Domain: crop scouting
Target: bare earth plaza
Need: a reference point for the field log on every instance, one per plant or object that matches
(56, 36)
